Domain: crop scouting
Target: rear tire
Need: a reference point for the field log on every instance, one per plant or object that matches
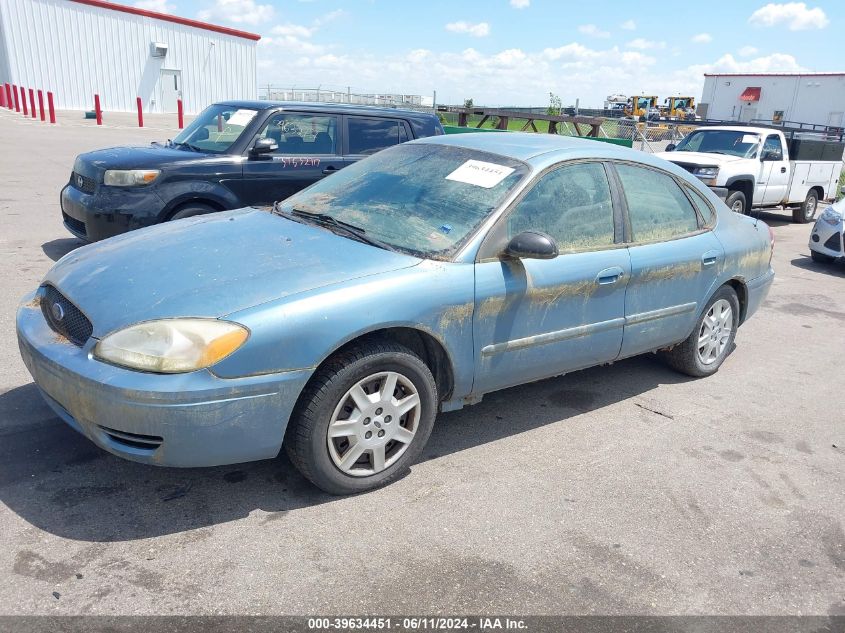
(353, 401)
(710, 342)
(821, 258)
(736, 202)
(191, 209)
(807, 211)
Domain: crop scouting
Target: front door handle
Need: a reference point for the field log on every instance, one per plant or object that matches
(329, 170)
(609, 276)
(783, 170)
(709, 258)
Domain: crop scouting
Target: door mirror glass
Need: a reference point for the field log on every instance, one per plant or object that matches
(531, 245)
(264, 146)
(670, 147)
(772, 155)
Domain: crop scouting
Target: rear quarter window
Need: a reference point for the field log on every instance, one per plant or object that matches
(370, 135)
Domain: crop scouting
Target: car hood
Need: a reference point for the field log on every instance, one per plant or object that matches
(153, 156)
(703, 159)
(209, 266)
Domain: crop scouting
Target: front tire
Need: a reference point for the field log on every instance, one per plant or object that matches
(191, 209)
(736, 202)
(710, 342)
(807, 211)
(363, 419)
(821, 258)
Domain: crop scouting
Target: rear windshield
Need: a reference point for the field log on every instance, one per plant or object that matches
(422, 199)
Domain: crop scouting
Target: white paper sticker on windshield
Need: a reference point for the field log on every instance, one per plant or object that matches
(241, 117)
(481, 174)
(750, 138)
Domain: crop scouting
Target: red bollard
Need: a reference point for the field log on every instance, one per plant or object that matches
(32, 102)
(97, 110)
(9, 97)
(180, 113)
(52, 109)
(2, 97)
(23, 101)
(140, 112)
(41, 103)
(17, 103)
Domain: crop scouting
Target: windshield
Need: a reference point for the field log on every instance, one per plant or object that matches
(216, 129)
(423, 199)
(731, 142)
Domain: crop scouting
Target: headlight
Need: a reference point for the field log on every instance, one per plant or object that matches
(130, 177)
(706, 172)
(831, 216)
(172, 346)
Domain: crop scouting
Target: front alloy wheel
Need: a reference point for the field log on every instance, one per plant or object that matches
(715, 332)
(374, 424)
(363, 418)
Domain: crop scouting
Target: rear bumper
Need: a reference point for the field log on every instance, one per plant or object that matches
(108, 211)
(185, 420)
(758, 290)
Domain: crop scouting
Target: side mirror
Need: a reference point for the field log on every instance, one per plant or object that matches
(671, 147)
(771, 155)
(264, 146)
(531, 245)
(842, 191)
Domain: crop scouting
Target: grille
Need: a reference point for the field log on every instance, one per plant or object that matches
(133, 440)
(83, 183)
(77, 226)
(64, 317)
(833, 242)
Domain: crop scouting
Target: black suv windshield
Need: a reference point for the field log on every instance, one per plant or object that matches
(216, 129)
(731, 142)
(423, 199)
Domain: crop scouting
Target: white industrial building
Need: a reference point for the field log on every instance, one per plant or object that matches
(815, 98)
(78, 48)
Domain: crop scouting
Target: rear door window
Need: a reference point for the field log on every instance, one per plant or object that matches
(368, 135)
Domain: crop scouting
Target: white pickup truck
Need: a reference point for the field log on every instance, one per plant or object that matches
(753, 167)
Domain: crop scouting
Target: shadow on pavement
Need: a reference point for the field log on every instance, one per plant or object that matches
(835, 268)
(56, 249)
(62, 483)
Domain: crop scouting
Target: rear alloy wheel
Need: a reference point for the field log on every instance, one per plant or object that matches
(364, 418)
(706, 348)
(736, 202)
(807, 211)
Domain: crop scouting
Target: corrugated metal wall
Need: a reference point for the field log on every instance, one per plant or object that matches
(77, 50)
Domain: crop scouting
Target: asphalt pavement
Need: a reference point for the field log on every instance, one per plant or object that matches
(627, 489)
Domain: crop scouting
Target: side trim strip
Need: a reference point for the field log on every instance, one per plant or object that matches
(653, 315)
(586, 330)
(552, 337)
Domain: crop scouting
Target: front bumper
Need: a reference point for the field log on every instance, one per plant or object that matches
(108, 211)
(758, 290)
(828, 239)
(185, 420)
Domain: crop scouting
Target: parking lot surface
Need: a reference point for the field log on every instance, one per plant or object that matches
(616, 490)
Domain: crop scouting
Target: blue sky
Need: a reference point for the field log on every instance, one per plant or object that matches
(514, 52)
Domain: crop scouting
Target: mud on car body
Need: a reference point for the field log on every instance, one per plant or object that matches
(413, 282)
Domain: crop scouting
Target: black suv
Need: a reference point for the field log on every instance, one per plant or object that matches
(234, 154)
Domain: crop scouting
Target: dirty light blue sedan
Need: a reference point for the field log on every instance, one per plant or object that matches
(339, 323)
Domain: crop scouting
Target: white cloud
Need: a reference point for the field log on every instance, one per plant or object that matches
(481, 29)
(797, 16)
(628, 25)
(644, 44)
(520, 4)
(292, 30)
(162, 6)
(592, 30)
(702, 38)
(747, 51)
(238, 12)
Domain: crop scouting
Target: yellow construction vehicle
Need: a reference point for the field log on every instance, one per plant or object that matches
(681, 108)
(641, 106)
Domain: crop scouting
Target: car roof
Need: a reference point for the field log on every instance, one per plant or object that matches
(335, 108)
(749, 129)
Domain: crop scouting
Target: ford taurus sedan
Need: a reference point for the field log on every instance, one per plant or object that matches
(412, 282)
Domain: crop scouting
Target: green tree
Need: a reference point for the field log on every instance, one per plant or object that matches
(555, 105)
(468, 103)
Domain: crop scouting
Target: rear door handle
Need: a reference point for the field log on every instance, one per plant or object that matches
(709, 258)
(609, 276)
(329, 170)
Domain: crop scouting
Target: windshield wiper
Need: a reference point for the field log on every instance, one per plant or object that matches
(332, 223)
(193, 148)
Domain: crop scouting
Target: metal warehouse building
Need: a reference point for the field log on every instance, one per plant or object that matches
(78, 48)
(816, 98)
